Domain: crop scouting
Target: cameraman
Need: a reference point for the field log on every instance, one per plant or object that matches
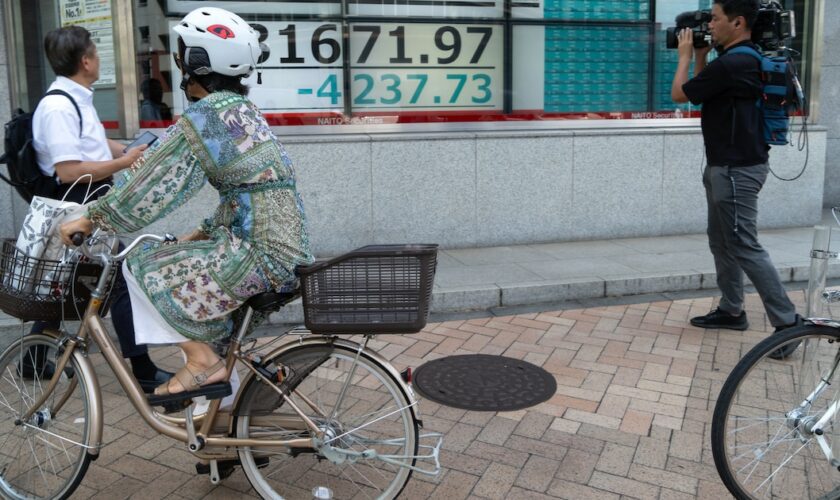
(732, 126)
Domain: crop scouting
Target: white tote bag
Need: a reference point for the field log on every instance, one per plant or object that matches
(39, 239)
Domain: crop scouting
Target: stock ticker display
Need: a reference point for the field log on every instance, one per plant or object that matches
(419, 60)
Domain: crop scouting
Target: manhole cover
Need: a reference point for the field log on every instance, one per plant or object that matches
(482, 382)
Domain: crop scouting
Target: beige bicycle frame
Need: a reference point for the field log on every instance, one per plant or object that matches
(93, 327)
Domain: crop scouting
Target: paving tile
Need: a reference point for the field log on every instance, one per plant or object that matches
(686, 445)
(537, 474)
(455, 485)
(563, 425)
(496, 481)
(167, 483)
(498, 454)
(138, 468)
(592, 418)
(497, 431)
(652, 453)
(536, 447)
(636, 422)
(574, 491)
(124, 488)
(663, 478)
(608, 436)
(615, 459)
(460, 437)
(533, 425)
(464, 463)
(517, 493)
(622, 485)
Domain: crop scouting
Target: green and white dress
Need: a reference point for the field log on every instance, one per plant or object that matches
(257, 235)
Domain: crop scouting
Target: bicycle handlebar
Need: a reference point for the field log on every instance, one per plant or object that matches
(78, 240)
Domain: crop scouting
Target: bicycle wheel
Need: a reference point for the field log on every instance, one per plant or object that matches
(763, 437)
(370, 415)
(45, 456)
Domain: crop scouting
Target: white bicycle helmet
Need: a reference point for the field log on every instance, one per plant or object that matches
(217, 41)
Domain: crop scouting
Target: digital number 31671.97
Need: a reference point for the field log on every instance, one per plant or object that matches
(327, 50)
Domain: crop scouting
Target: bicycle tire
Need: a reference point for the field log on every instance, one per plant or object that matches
(762, 442)
(48, 434)
(318, 371)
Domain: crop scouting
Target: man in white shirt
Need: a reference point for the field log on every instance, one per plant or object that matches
(70, 142)
(63, 148)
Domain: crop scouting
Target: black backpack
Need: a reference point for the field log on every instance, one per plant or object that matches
(781, 94)
(20, 157)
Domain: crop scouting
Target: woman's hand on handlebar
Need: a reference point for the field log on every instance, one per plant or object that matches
(68, 229)
(197, 235)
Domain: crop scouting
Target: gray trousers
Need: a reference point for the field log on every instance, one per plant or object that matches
(732, 198)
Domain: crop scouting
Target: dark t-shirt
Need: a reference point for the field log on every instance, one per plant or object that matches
(729, 88)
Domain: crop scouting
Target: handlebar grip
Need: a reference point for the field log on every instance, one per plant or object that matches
(77, 239)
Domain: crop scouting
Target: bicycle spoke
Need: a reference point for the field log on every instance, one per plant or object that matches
(49, 455)
(763, 435)
(366, 411)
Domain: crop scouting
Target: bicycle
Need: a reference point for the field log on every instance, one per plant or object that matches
(318, 415)
(774, 427)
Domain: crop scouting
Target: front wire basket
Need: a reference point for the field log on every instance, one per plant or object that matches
(33, 289)
(373, 289)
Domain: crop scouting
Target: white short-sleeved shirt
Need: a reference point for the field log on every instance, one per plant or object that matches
(55, 128)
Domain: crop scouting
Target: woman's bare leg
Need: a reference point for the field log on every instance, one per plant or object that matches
(200, 357)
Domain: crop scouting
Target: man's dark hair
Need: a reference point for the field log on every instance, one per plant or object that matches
(735, 8)
(65, 48)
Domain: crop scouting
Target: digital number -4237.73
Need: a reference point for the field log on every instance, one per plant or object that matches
(392, 93)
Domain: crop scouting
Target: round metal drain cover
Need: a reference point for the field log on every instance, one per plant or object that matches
(481, 382)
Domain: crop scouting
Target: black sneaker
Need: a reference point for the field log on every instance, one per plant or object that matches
(721, 319)
(787, 349)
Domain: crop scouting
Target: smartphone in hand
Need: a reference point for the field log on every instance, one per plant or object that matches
(146, 138)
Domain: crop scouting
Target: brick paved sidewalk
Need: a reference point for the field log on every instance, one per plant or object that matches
(631, 417)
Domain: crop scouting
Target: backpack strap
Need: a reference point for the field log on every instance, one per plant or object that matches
(746, 49)
(72, 101)
(743, 49)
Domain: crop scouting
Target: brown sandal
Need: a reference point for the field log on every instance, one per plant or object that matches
(194, 385)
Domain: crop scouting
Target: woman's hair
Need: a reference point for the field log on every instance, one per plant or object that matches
(215, 82)
(65, 48)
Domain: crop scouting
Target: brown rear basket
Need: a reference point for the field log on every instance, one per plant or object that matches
(373, 289)
(45, 290)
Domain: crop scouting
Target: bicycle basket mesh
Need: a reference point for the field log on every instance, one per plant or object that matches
(46, 290)
(374, 289)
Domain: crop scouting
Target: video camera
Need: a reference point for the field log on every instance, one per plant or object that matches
(771, 29)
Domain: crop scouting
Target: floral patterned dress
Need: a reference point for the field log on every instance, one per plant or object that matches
(256, 238)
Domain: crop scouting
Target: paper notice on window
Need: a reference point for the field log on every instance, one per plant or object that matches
(95, 16)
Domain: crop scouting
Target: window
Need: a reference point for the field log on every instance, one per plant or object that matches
(379, 61)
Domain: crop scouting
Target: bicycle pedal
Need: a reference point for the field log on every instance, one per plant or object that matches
(210, 391)
(176, 406)
(226, 468)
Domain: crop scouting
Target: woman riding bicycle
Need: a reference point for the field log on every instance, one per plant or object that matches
(257, 236)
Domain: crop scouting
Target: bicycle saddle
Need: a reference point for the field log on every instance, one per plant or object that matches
(272, 301)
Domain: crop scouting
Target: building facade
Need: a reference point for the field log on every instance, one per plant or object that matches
(468, 123)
